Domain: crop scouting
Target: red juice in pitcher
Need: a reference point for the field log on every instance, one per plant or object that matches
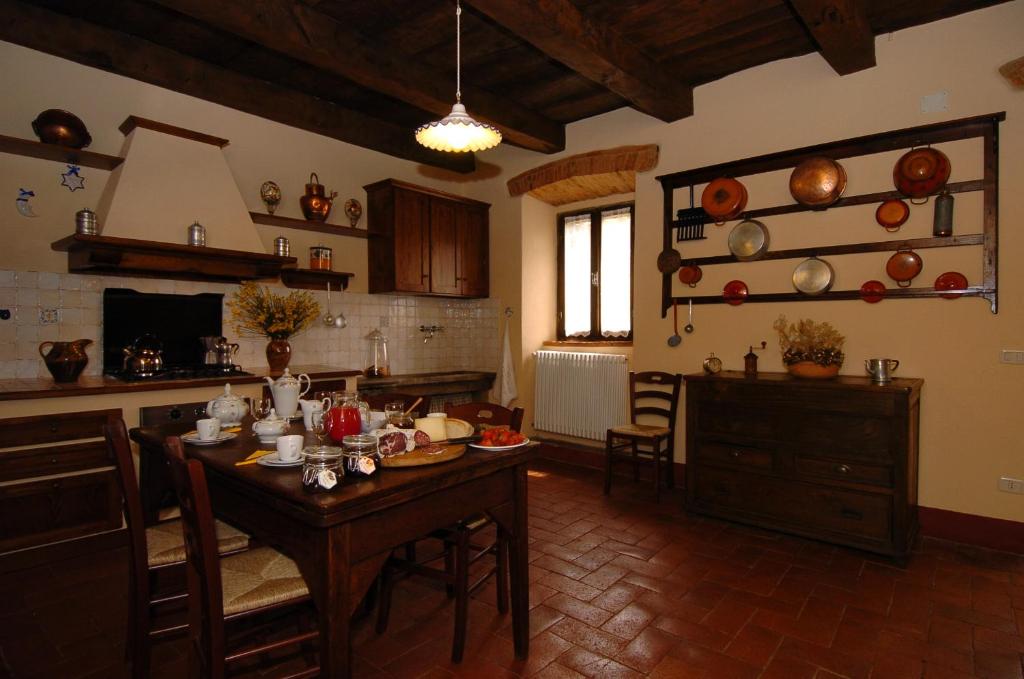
(342, 421)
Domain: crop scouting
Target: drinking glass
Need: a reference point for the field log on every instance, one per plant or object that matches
(260, 407)
(319, 421)
(393, 412)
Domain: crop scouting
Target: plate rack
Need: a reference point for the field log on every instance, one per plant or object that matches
(984, 127)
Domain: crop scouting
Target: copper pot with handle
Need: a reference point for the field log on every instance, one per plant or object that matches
(817, 182)
(316, 204)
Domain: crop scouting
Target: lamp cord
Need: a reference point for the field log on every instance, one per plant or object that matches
(458, 51)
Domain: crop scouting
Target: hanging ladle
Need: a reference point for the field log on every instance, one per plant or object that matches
(689, 326)
(675, 339)
(328, 318)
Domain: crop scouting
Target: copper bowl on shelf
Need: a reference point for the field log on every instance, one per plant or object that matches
(54, 126)
(817, 182)
(921, 172)
(724, 199)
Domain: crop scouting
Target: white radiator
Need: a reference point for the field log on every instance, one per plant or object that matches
(580, 394)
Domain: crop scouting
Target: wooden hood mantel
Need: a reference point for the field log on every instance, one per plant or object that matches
(586, 175)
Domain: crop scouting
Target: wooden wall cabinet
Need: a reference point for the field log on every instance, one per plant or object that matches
(426, 242)
(834, 460)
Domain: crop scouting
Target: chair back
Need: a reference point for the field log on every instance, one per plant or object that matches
(378, 401)
(489, 414)
(657, 402)
(116, 435)
(205, 603)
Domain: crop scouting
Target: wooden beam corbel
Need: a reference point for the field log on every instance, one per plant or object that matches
(841, 30)
(586, 175)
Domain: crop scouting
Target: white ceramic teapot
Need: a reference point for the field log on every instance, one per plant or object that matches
(286, 391)
(228, 408)
(269, 428)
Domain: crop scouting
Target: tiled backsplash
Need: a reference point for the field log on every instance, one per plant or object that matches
(469, 340)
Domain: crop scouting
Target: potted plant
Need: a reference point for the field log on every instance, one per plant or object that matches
(810, 349)
(258, 311)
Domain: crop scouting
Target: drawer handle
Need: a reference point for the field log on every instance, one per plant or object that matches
(53, 429)
(848, 513)
(736, 454)
(842, 469)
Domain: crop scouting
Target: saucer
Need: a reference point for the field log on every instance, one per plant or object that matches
(269, 441)
(196, 441)
(272, 460)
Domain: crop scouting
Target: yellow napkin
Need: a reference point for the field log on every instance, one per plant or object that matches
(233, 430)
(254, 457)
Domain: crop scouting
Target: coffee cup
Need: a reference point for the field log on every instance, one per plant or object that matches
(289, 448)
(208, 429)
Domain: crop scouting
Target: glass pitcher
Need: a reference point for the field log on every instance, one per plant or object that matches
(377, 361)
(345, 418)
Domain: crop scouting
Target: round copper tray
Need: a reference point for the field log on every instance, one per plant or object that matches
(817, 182)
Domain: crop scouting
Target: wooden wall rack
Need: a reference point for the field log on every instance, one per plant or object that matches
(985, 127)
(63, 154)
(308, 225)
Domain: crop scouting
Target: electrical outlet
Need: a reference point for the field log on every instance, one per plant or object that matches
(1008, 485)
(1011, 356)
(49, 316)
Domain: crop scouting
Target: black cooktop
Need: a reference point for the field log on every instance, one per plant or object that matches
(183, 372)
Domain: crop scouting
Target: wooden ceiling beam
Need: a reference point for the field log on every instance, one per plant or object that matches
(595, 51)
(312, 37)
(133, 57)
(841, 30)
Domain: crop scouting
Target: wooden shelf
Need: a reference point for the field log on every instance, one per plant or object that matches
(308, 225)
(985, 128)
(63, 154)
(130, 257)
(315, 279)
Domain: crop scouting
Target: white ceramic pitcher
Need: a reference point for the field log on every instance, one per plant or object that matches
(286, 391)
(310, 406)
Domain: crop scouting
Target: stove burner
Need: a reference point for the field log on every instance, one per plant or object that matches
(182, 372)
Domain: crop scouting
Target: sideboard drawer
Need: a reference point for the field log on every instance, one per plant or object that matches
(740, 457)
(848, 470)
(52, 460)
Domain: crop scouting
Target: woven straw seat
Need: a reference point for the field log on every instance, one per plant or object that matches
(257, 578)
(649, 431)
(165, 542)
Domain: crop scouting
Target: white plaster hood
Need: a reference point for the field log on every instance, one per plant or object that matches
(169, 179)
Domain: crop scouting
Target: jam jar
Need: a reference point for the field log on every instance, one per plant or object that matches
(361, 457)
(321, 468)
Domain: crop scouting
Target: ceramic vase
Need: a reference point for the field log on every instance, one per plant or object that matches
(279, 353)
(811, 370)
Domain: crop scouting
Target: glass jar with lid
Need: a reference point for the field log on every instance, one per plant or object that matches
(360, 456)
(321, 468)
(377, 361)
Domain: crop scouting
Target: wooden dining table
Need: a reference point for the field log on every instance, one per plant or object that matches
(341, 538)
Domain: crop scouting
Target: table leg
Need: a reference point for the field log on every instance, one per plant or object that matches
(519, 574)
(332, 597)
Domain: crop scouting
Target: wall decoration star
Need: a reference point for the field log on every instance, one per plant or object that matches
(72, 179)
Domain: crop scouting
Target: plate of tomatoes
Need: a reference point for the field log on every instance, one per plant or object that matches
(500, 438)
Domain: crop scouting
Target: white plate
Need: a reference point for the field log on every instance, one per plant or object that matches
(272, 460)
(196, 441)
(228, 425)
(497, 448)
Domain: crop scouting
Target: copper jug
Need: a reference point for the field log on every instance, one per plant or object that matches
(316, 205)
(65, 360)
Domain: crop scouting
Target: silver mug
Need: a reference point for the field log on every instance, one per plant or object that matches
(881, 369)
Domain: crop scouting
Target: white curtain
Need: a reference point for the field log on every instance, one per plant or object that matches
(577, 275)
(616, 280)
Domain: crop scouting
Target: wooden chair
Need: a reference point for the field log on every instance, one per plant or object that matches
(633, 435)
(378, 401)
(156, 553)
(459, 552)
(227, 589)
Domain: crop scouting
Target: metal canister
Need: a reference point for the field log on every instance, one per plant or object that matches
(320, 258)
(943, 224)
(85, 222)
(282, 248)
(197, 235)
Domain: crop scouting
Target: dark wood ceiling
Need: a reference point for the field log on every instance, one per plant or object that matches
(369, 71)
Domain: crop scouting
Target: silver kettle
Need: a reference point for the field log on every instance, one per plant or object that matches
(144, 357)
(226, 353)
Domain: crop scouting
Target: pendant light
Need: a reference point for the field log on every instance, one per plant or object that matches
(457, 132)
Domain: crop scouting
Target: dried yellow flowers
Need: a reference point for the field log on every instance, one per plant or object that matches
(258, 311)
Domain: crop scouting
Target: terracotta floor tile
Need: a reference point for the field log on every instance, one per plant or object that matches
(833, 660)
(618, 596)
(789, 668)
(558, 671)
(630, 621)
(954, 634)
(593, 665)
(584, 636)
(604, 576)
(890, 643)
(713, 664)
(556, 565)
(581, 610)
(754, 645)
(647, 649)
(693, 632)
(989, 665)
(728, 616)
(566, 585)
(817, 621)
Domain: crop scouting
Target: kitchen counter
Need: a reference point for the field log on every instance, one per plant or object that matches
(20, 389)
(432, 384)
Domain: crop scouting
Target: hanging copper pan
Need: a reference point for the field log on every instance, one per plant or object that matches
(921, 172)
(690, 275)
(891, 214)
(724, 199)
(903, 266)
(817, 182)
(668, 260)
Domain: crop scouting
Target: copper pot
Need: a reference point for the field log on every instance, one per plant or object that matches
(316, 204)
(903, 266)
(817, 182)
(690, 275)
(891, 214)
(724, 199)
(921, 172)
(54, 126)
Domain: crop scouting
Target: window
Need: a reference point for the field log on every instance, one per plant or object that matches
(595, 274)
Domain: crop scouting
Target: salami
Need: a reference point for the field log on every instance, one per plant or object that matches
(391, 443)
(421, 438)
(431, 449)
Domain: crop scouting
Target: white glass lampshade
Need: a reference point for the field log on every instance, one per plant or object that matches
(458, 132)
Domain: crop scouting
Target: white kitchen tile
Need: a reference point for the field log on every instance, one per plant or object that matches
(27, 297)
(7, 279)
(29, 369)
(92, 283)
(26, 279)
(48, 280)
(48, 299)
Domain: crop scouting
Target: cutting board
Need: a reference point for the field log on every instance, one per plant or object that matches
(418, 458)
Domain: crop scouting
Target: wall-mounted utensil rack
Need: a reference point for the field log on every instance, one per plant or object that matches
(985, 128)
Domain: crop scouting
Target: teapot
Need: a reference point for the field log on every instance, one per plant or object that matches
(316, 205)
(269, 428)
(144, 357)
(65, 360)
(228, 408)
(226, 353)
(286, 391)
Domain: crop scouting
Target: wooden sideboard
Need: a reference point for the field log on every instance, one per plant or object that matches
(834, 460)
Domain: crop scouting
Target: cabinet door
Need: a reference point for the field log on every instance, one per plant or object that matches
(443, 247)
(412, 244)
(473, 253)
